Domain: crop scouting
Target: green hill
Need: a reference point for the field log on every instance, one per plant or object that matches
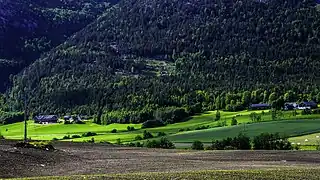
(205, 48)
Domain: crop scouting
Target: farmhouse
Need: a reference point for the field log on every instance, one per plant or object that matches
(290, 106)
(308, 105)
(259, 106)
(46, 119)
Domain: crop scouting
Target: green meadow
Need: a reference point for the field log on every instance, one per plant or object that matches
(183, 132)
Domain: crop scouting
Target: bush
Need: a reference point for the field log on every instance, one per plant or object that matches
(66, 137)
(152, 124)
(114, 131)
(147, 135)
(138, 138)
(163, 143)
(118, 141)
(138, 144)
(55, 139)
(160, 134)
(202, 127)
(234, 121)
(181, 130)
(268, 141)
(91, 141)
(240, 142)
(197, 145)
(130, 128)
(218, 115)
(88, 134)
(316, 111)
(75, 136)
(306, 112)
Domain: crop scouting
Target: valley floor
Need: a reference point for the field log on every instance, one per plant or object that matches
(89, 159)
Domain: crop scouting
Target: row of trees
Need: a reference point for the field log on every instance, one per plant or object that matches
(264, 141)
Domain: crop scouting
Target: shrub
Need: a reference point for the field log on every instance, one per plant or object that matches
(114, 131)
(138, 138)
(161, 134)
(240, 142)
(147, 135)
(234, 121)
(66, 137)
(202, 127)
(138, 144)
(218, 115)
(92, 140)
(55, 139)
(316, 111)
(306, 112)
(76, 136)
(88, 134)
(118, 141)
(268, 141)
(130, 128)
(197, 145)
(163, 143)
(181, 130)
(222, 123)
(152, 124)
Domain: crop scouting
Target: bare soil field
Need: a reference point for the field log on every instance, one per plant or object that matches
(87, 159)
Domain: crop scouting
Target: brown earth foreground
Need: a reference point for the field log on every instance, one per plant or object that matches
(86, 159)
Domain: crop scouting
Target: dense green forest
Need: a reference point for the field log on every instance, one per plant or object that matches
(28, 28)
(145, 56)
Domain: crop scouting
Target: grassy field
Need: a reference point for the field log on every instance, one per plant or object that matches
(310, 139)
(210, 174)
(287, 124)
(286, 127)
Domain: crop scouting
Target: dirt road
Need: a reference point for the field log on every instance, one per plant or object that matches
(76, 159)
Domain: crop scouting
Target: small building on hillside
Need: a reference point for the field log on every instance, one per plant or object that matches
(290, 106)
(259, 106)
(45, 119)
(308, 105)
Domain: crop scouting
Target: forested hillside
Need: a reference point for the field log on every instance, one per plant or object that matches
(29, 28)
(223, 53)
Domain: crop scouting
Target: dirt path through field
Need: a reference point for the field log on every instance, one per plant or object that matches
(76, 159)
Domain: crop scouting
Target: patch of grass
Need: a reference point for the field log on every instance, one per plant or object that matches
(178, 132)
(289, 128)
(310, 139)
(210, 174)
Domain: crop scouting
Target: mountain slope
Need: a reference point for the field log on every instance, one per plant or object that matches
(215, 47)
(29, 28)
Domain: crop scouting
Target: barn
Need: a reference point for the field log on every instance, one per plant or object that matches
(44, 119)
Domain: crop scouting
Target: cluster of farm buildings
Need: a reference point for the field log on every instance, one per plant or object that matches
(46, 119)
(287, 106)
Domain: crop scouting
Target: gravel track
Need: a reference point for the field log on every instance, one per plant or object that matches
(84, 159)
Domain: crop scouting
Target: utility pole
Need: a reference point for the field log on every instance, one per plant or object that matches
(25, 119)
